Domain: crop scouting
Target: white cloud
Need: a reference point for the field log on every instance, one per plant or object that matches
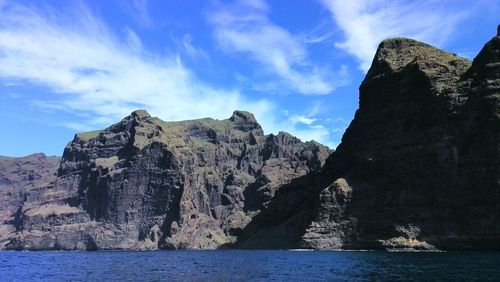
(318, 133)
(303, 131)
(244, 27)
(308, 129)
(302, 119)
(366, 23)
(101, 77)
(308, 117)
(308, 125)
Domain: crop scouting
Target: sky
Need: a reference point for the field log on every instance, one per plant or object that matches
(75, 66)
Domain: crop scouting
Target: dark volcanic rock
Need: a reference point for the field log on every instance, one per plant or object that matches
(418, 168)
(144, 184)
(20, 178)
(27, 172)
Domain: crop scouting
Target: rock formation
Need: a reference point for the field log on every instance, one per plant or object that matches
(145, 184)
(20, 177)
(417, 169)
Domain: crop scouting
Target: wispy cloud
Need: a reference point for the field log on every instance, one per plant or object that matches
(301, 119)
(306, 129)
(309, 128)
(133, 41)
(366, 23)
(244, 27)
(103, 76)
(309, 124)
(319, 34)
(308, 116)
(186, 47)
(138, 11)
(100, 76)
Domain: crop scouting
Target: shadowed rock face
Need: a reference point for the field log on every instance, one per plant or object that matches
(144, 184)
(418, 167)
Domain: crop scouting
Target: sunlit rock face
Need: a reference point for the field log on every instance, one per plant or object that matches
(145, 184)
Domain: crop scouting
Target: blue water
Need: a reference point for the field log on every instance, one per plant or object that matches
(248, 265)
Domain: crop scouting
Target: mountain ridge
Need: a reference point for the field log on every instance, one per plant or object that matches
(418, 169)
(144, 183)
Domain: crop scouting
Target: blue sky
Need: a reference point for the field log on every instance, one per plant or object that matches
(73, 66)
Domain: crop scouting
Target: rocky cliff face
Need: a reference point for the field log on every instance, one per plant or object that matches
(145, 184)
(418, 167)
(20, 177)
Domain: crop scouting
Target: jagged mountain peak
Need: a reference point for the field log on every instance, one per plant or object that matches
(153, 128)
(396, 54)
(245, 121)
(140, 114)
(487, 62)
(178, 184)
(244, 115)
(417, 167)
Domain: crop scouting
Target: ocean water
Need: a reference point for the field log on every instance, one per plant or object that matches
(237, 265)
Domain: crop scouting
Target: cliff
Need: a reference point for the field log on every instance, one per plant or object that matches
(145, 184)
(417, 169)
(18, 178)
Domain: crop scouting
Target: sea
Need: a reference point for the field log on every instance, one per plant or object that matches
(242, 265)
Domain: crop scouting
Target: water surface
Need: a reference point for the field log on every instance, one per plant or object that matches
(237, 265)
